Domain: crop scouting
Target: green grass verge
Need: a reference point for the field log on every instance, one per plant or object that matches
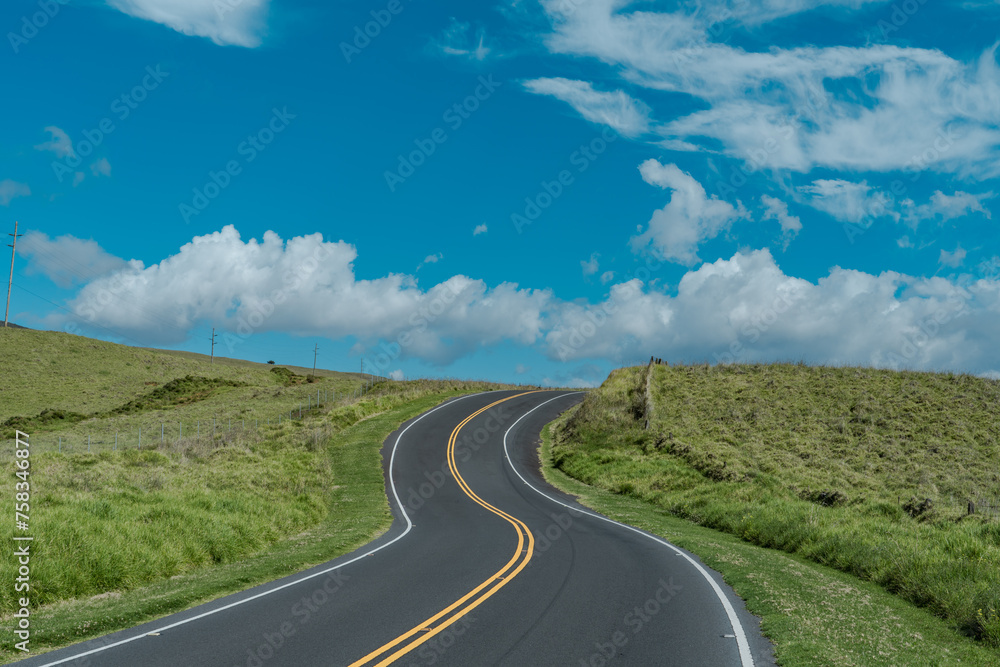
(815, 615)
(818, 462)
(125, 537)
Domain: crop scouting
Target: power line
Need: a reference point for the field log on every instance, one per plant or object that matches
(79, 271)
(213, 346)
(315, 354)
(81, 319)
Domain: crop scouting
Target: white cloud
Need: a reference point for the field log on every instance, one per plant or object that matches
(762, 11)
(744, 308)
(943, 208)
(459, 39)
(521, 369)
(101, 168)
(856, 203)
(66, 259)
(691, 217)
(480, 229)
(775, 209)
(306, 286)
(430, 259)
(59, 143)
(225, 22)
(590, 266)
(747, 309)
(397, 375)
(9, 190)
(623, 114)
(953, 259)
(877, 108)
(607, 277)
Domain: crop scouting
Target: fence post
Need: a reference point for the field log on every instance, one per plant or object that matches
(161, 431)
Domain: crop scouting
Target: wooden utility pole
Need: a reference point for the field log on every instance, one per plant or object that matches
(315, 354)
(10, 282)
(213, 346)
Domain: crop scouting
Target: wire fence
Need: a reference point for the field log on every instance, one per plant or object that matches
(150, 435)
(978, 505)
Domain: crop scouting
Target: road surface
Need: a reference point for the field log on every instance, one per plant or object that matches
(485, 564)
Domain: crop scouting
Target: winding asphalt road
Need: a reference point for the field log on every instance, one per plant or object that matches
(485, 564)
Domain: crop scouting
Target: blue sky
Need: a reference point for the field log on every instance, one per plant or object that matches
(520, 191)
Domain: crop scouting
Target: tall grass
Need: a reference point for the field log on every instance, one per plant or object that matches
(114, 521)
(828, 463)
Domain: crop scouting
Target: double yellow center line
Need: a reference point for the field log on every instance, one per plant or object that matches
(447, 616)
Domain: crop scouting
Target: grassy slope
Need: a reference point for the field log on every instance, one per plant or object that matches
(55, 371)
(47, 369)
(743, 449)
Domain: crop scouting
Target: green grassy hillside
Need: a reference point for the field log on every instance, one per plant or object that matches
(48, 369)
(59, 386)
(866, 471)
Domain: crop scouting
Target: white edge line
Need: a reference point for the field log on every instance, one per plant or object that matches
(741, 639)
(409, 525)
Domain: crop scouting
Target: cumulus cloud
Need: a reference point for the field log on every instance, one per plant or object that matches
(58, 143)
(740, 309)
(67, 260)
(691, 217)
(746, 309)
(623, 114)
(225, 22)
(306, 286)
(480, 229)
(9, 190)
(590, 266)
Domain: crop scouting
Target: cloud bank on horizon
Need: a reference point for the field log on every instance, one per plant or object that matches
(742, 309)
